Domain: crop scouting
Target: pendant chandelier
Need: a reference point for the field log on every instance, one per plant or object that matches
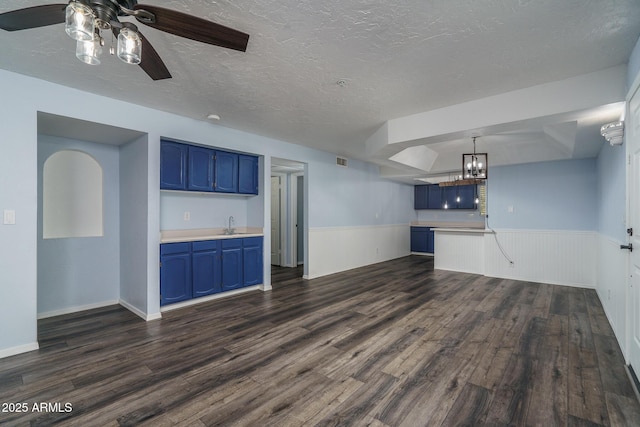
(474, 165)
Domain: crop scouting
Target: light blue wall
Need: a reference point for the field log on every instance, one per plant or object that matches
(612, 192)
(207, 210)
(336, 196)
(355, 195)
(560, 195)
(134, 217)
(77, 272)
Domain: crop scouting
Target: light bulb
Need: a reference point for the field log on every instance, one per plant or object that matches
(89, 51)
(458, 199)
(129, 46)
(79, 21)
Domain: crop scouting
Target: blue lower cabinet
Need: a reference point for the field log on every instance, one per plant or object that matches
(195, 269)
(252, 260)
(207, 268)
(175, 273)
(422, 240)
(232, 264)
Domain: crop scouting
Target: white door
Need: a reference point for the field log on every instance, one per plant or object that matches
(632, 133)
(275, 220)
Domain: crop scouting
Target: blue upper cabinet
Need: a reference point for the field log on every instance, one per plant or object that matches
(453, 197)
(196, 168)
(247, 174)
(421, 197)
(173, 165)
(435, 197)
(226, 172)
(201, 168)
(467, 195)
(449, 197)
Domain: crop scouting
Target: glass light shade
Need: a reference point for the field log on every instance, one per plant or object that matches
(129, 46)
(89, 51)
(79, 21)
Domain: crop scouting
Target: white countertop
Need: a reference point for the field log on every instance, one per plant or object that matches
(192, 235)
(463, 230)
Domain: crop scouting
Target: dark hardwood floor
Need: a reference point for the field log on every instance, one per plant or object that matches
(393, 344)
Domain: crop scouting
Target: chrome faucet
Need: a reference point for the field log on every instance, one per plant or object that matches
(230, 230)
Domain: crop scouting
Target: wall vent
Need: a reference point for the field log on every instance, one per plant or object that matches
(341, 161)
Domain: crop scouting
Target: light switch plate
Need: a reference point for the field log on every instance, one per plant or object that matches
(9, 217)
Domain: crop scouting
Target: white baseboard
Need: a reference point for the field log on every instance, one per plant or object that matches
(75, 309)
(140, 313)
(18, 350)
(199, 300)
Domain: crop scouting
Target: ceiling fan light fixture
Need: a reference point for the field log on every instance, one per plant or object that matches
(89, 51)
(129, 46)
(79, 21)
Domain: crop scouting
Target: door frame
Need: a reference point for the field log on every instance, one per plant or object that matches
(283, 217)
(633, 90)
(293, 212)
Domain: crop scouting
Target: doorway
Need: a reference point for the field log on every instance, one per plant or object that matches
(288, 218)
(633, 185)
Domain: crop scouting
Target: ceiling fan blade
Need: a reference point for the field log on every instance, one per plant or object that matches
(33, 17)
(151, 62)
(194, 28)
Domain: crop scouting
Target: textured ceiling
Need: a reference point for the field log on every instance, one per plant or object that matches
(395, 58)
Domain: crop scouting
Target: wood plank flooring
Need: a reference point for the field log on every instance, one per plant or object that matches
(392, 344)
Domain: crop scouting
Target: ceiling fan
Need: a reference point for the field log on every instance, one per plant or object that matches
(84, 19)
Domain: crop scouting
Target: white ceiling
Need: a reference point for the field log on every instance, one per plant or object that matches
(396, 59)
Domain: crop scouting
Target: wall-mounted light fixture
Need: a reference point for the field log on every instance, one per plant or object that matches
(613, 132)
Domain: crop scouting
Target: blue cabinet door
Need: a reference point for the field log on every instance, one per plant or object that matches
(232, 264)
(226, 172)
(422, 240)
(173, 166)
(449, 197)
(431, 249)
(175, 273)
(247, 174)
(252, 260)
(201, 168)
(435, 197)
(421, 197)
(419, 239)
(207, 268)
(467, 194)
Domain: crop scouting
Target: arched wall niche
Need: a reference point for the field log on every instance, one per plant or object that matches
(72, 196)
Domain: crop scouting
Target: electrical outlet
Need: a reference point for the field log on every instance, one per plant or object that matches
(187, 216)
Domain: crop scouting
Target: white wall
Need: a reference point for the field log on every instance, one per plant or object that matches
(337, 198)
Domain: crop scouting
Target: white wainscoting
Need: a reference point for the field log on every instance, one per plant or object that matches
(558, 257)
(612, 285)
(459, 250)
(335, 249)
